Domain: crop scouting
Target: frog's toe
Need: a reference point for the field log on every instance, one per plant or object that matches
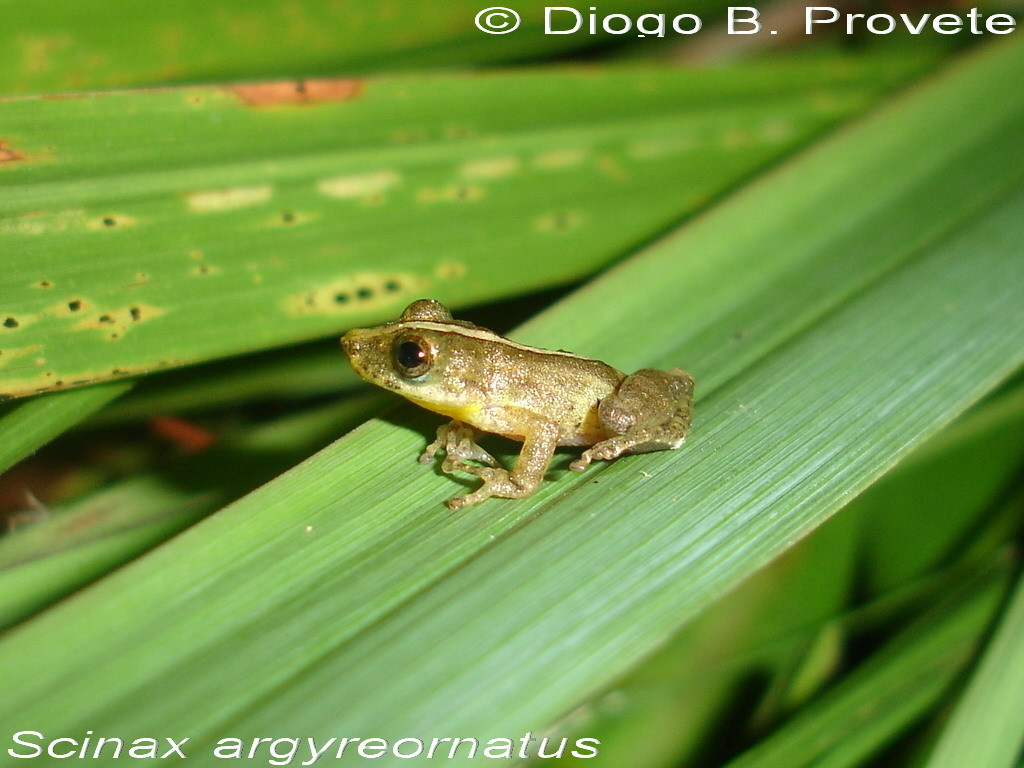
(581, 463)
(467, 450)
(456, 503)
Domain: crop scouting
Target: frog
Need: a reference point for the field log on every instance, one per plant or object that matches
(545, 399)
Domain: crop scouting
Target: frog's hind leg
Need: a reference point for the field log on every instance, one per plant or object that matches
(651, 411)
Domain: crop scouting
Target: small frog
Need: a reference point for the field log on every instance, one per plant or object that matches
(543, 398)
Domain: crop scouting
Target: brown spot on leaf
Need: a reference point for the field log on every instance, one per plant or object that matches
(298, 91)
(8, 155)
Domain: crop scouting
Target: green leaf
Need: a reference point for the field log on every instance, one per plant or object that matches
(342, 598)
(31, 424)
(887, 693)
(89, 537)
(294, 373)
(290, 214)
(66, 45)
(986, 729)
(943, 493)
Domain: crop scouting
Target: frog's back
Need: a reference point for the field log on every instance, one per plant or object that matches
(530, 386)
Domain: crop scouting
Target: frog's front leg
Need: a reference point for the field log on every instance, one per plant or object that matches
(651, 411)
(458, 441)
(533, 461)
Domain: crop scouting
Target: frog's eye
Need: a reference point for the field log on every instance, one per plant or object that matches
(413, 356)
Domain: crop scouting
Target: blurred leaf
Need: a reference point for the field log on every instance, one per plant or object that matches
(928, 507)
(293, 373)
(88, 537)
(28, 425)
(289, 214)
(63, 45)
(986, 729)
(887, 693)
(343, 598)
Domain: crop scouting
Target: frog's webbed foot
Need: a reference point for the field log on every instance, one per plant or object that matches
(650, 412)
(458, 441)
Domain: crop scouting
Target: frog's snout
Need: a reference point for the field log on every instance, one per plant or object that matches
(361, 347)
(351, 343)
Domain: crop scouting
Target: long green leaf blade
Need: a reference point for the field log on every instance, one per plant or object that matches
(885, 695)
(293, 214)
(28, 426)
(64, 45)
(986, 729)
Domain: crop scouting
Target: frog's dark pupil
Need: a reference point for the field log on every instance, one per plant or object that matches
(410, 354)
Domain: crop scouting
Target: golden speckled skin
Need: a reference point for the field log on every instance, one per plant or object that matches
(544, 398)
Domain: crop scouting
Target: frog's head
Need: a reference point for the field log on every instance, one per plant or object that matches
(425, 356)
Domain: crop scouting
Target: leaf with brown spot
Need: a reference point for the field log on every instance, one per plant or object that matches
(279, 93)
(8, 155)
(352, 195)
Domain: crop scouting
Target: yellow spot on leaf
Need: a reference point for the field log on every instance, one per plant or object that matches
(559, 221)
(450, 270)
(73, 306)
(110, 221)
(453, 193)
(663, 146)
(736, 138)
(491, 168)
(612, 168)
(114, 323)
(292, 218)
(37, 51)
(559, 159)
(10, 355)
(776, 131)
(356, 293)
(41, 222)
(358, 185)
(232, 198)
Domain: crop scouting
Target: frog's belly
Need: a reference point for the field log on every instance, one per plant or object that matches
(582, 427)
(578, 426)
